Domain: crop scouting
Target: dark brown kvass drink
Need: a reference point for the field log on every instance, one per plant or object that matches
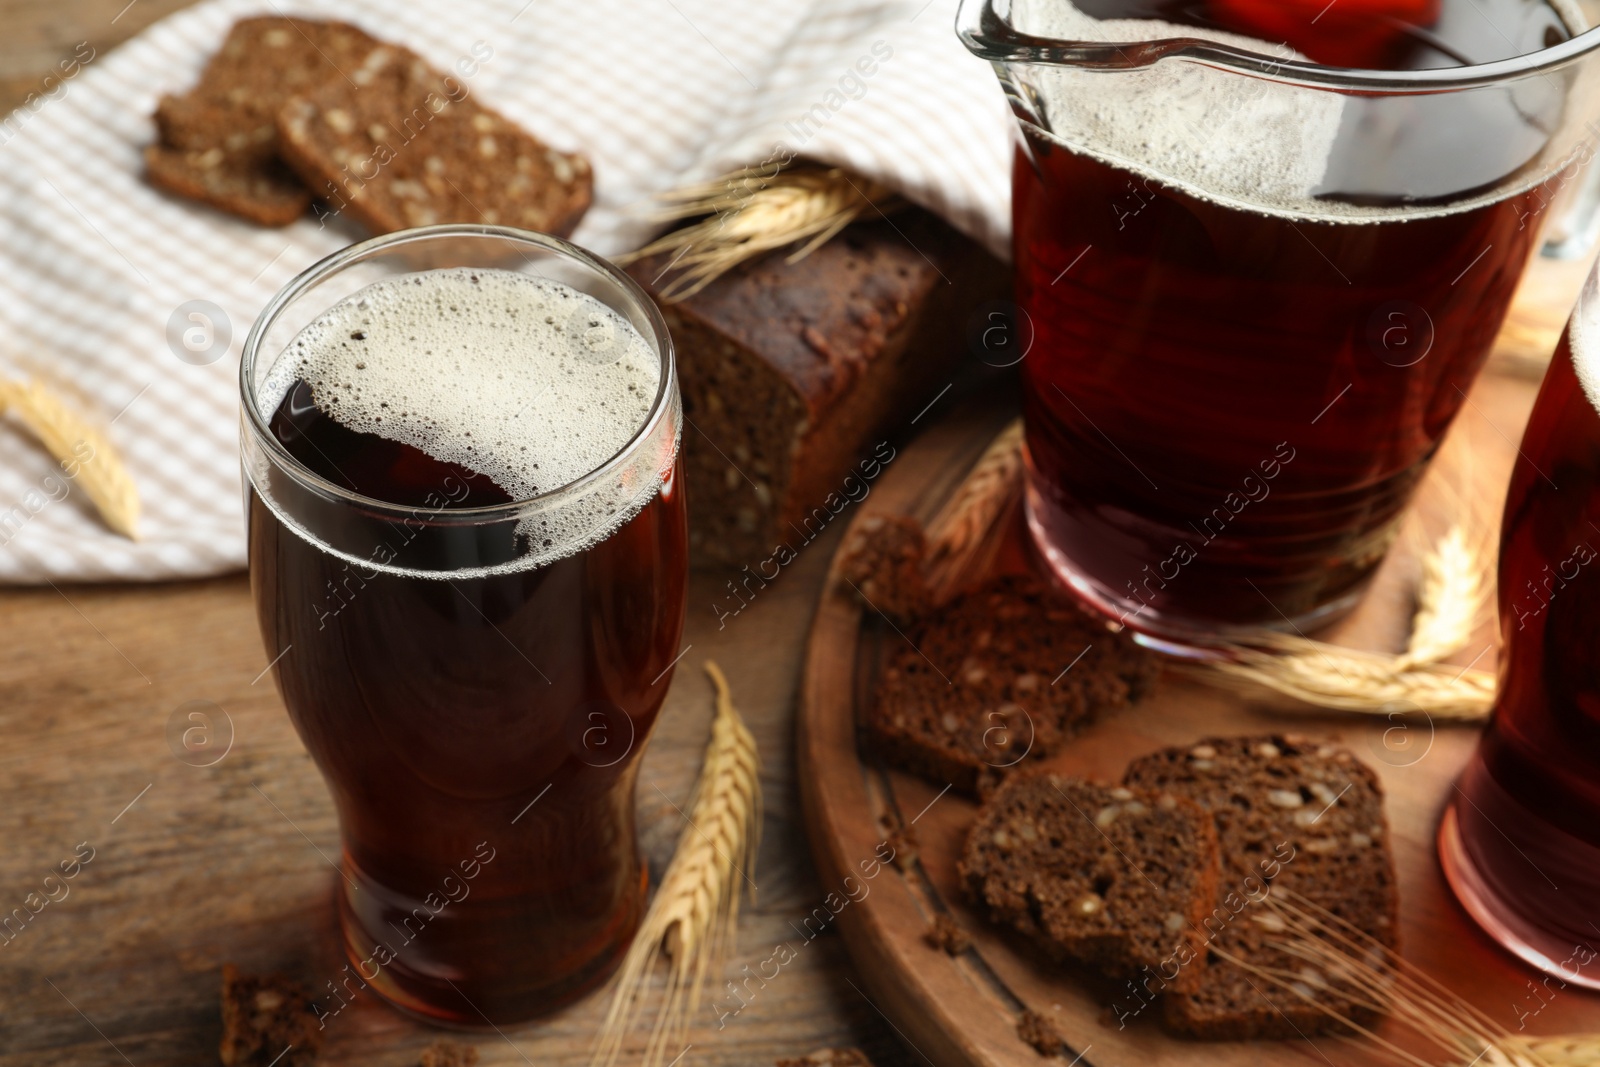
(476, 690)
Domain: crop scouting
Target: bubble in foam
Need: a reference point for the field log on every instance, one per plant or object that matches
(522, 379)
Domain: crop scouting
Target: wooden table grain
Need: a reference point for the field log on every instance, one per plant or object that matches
(193, 866)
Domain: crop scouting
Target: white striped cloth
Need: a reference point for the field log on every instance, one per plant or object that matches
(93, 263)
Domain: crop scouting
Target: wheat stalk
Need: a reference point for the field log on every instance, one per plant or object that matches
(1348, 679)
(1452, 597)
(83, 452)
(965, 522)
(696, 907)
(754, 211)
(1340, 964)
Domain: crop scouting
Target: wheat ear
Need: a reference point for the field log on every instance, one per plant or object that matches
(1570, 1050)
(963, 526)
(1450, 601)
(83, 452)
(753, 211)
(1348, 679)
(1452, 597)
(696, 907)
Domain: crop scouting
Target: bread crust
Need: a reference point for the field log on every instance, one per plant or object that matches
(798, 373)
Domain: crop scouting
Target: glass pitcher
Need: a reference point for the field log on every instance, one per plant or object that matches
(1258, 289)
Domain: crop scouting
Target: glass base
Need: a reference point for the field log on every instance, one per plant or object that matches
(1563, 955)
(474, 978)
(1182, 636)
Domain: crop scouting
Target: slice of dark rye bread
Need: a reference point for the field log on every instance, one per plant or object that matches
(266, 1020)
(1295, 814)
(1114, 877)
(400, 144)
(883, 564)
(447, 1053)
(995, 678)
(829, 1057)
(219, 143)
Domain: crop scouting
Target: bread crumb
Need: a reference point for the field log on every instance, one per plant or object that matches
(903, 841)
(946, 934)
(1038, 1031)
(830, 1057)
(883, 562)
(266, 1019)
(447, 1053)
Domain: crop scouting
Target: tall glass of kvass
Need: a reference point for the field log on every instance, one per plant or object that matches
(469, 557)
(1262, 250)
(1520, 841)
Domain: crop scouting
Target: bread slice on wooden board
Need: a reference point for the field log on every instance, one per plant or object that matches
(1293, 814)
(995, 678)
(399, 144)
(218, 142)
(1117, 878)
(883, 563)
(796, 374)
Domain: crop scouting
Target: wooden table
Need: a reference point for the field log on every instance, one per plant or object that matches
(125, 968)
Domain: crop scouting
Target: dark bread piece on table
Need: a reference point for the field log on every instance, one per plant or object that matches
(1040, 1033)
(1116, 878)
(883, 562)
(218, 142)
(1298, 815)
(794, 374)
(400, 144)
(447, 1053)
(830, 1057)
(946, 935)
(266, 1019)
(981, 685)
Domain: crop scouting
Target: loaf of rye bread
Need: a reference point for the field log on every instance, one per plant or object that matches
(1116, 878)
(1291, 815)
(793, 373)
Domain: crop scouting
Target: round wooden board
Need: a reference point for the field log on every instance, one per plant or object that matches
(963, 1010)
